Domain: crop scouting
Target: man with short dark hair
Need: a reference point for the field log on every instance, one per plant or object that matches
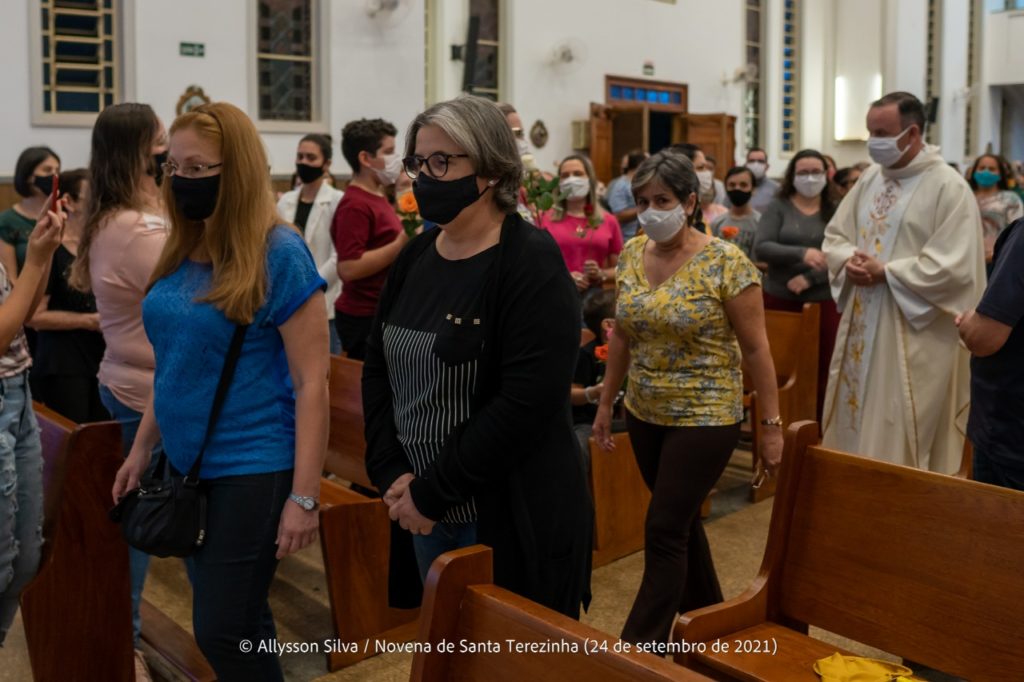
(765, 189)
(366, 230)
(995, 336)
(904, 255)
(620, 193)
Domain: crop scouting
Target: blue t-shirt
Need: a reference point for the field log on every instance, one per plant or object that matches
(255, 432)
(620, 197)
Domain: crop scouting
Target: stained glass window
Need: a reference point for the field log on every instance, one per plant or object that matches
(285, 69)
(79, 65)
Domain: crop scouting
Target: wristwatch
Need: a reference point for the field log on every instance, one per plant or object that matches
(774, 421)
(307, 503)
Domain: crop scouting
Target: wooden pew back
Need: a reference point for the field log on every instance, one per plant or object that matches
(346, 444)
(793, 340)
(460, 604)
(912, 562)
(620, 500)
(67, 629)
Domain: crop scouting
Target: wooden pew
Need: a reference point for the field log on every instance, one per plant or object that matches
(346, 444)
(793, 339)
(77, 611)
(461, 605)
(922, 565)
(355, 538)
(355, 531)
(620, 501)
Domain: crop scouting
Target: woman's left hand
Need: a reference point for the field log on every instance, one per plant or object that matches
(798, 284)
(297, 529)
(408, 516)
(770, 447)
(592, 271)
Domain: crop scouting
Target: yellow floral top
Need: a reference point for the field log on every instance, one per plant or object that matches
(685, 359)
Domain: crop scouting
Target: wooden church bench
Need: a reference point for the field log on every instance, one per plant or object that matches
(462, 605)
(793, 339)
(620, 501)
(922, 565)
(77, 610)
(355, 536)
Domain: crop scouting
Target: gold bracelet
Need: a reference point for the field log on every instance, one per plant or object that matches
(774, 421)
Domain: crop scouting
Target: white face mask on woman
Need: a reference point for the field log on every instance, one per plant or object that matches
(574, 187)
(810, 186)
(661, 226)
(706, 179)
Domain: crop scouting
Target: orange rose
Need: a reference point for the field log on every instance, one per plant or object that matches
(407, 203)
(601, 353)
(730, 231)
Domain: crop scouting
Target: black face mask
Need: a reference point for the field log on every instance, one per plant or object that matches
(196, 197)
(440, 201)
(44, 183)
(158, 167)
(739, 197)
(308, 173)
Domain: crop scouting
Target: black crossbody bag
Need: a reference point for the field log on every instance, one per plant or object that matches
(166, 515)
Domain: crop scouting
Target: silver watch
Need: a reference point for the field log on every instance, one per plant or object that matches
(307, 503)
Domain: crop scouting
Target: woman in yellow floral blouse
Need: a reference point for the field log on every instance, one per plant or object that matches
(688, 306)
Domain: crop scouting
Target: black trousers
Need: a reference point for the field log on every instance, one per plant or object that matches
(353, 331)
(680, 465)
(233, 572)
(75, 396)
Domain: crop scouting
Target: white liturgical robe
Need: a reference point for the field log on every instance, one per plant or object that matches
(899, 382)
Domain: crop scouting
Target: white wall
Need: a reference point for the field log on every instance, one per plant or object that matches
(953, 98)
(692, 42)
(373, 68)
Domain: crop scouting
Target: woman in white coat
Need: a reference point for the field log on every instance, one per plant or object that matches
(310, 207)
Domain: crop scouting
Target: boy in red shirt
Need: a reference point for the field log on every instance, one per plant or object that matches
(366, 230)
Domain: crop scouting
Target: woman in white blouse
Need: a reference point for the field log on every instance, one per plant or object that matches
(310, 207)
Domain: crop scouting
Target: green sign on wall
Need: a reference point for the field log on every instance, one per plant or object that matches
(192, 49)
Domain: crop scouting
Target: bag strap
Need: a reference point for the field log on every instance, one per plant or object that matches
(227, 373)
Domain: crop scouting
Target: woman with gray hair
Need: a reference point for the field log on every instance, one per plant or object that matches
(689, 310)
(469, 365)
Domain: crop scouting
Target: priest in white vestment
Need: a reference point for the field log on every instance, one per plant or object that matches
(905, 256)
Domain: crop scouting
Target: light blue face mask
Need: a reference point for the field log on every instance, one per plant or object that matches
(986, 178)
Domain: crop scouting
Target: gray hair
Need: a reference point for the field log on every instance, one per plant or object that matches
(479, 128)
(674, 171)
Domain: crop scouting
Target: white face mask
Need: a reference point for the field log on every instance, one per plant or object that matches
(706, 179)
(758, 168)
(885, 151)
(810, 186)
(661, 226)
(524, 147)
(392, 169)
(574, 187)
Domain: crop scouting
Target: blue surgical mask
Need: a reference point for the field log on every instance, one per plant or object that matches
(986, 178)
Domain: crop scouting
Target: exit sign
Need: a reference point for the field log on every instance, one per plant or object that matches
(192, 49)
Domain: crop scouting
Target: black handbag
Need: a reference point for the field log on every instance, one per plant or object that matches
(166, 515)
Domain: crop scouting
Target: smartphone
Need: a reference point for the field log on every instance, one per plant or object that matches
(55, 193)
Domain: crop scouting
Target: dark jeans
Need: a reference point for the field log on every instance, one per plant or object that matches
(75, 396)
(233, 572)
(679, 465)
(997, 472)
(445, 537)
(354, 331)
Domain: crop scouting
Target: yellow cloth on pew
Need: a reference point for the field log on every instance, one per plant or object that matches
(839, 668)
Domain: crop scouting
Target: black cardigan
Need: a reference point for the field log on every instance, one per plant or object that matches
(516, 455)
